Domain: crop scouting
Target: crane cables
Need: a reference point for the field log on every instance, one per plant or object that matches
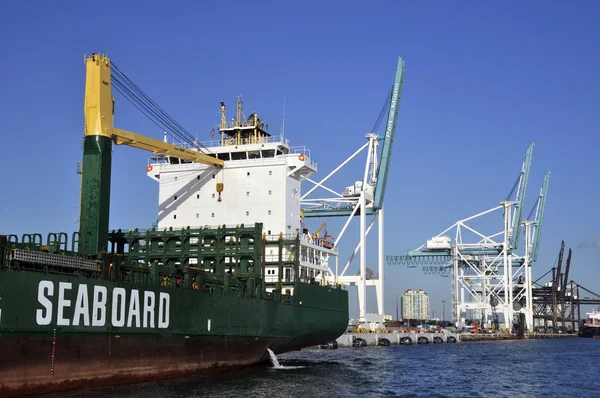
(151, 109)
(385, 107)
(413, 261)
(440, 270)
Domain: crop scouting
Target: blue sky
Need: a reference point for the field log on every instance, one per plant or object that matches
(483, 80)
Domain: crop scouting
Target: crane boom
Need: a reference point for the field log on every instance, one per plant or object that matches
(99, 135)
(556, 284)
(565, 280)
(520, 200)
(123, 137)
(390, 132)
(539, 217)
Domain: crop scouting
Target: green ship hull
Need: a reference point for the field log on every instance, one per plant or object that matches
(63, 327)
(116, 307)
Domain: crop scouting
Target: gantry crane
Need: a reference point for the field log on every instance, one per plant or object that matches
(364, 198)
(487, 271)
(375, 186)
(99, 135)
(533, 234)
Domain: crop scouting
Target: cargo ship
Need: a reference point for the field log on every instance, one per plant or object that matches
(591, 326)
(226, 273)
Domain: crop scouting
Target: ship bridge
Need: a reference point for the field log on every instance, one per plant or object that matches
(260, 182)
(247, 139)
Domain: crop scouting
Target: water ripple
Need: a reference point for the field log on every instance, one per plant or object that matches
(527, 368)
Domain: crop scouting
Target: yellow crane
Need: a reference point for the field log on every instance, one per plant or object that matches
(99, 135)
(317, 232)
(99, 110)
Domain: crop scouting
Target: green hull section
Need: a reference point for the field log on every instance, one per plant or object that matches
(34, 303)
(160, 304)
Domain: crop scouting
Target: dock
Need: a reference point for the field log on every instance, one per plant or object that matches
(387, 339)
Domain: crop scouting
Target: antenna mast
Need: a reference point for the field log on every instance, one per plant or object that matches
(283, 121)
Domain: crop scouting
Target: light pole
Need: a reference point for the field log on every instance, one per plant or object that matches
(443, 311)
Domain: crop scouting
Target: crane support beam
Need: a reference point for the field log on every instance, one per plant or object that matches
(390, 132)
(123, 137)
(308, 213)
(514, 241)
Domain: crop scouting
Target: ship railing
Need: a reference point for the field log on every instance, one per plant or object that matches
(304, 152)
(300, 150)
(186, 227)
(164, 161)
(275, 237)
(277, 139)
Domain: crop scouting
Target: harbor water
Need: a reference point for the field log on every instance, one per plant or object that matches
(514, 368)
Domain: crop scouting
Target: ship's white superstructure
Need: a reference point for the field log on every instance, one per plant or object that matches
(260, 182)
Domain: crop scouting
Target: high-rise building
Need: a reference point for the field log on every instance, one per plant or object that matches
(415, 305)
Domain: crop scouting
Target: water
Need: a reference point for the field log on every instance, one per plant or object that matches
(526, 368)
(274, 360)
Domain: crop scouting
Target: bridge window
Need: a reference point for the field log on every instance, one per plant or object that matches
(174, 216)
(269, 212)
(247, 193)
(197, 215)
(212, 215)
(175, 197)
(238, 155)
(198, 196)
(268, 153)
(213, 195)
(269, 191)
(247, 213)
(270, 172)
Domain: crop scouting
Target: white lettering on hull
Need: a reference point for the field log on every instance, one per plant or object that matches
(81, 307)
(118, 307)
(149, 309)
(41, 317)
(163, 310)
(99, 306)
(62, 303)
(132, 308)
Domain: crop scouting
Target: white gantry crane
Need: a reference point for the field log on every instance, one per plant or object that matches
(489, 277)
(364, 200)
